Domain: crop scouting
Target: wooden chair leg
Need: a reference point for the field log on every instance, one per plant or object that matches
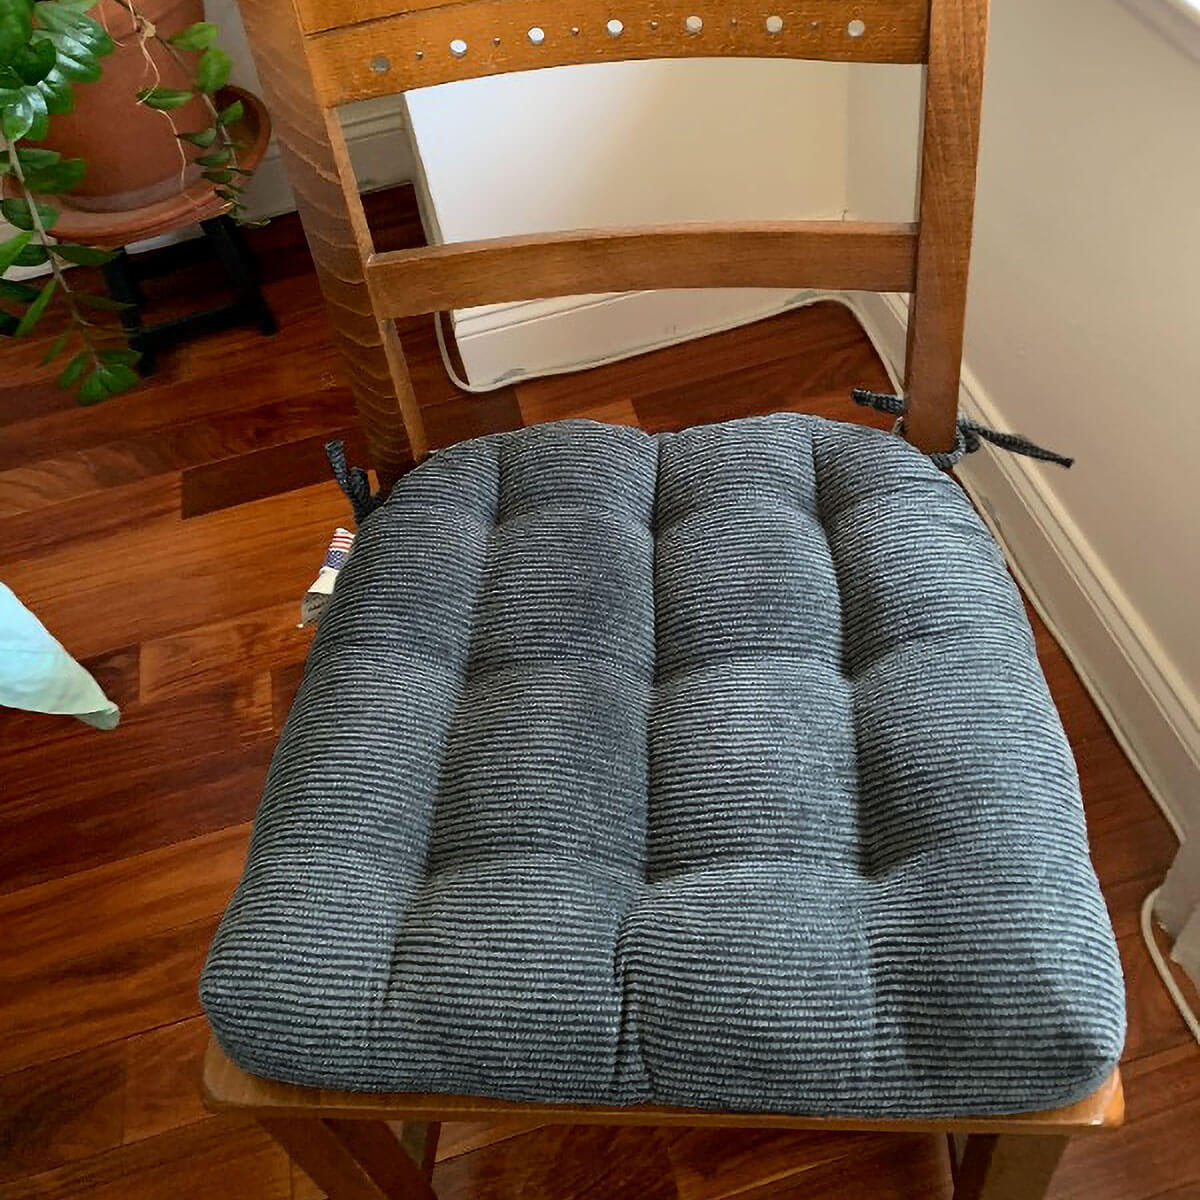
(420, 1140)
(354, 1160)
(1004, 1166)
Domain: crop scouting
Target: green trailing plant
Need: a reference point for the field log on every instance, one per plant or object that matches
(46, 47)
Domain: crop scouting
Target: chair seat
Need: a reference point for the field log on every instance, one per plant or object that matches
(712, 768)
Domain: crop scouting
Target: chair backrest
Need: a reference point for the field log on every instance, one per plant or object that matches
(315, 55)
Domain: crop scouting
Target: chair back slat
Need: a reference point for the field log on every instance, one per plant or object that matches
(425, 46)
(836, 255)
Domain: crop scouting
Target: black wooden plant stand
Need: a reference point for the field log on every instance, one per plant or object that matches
(223, 239)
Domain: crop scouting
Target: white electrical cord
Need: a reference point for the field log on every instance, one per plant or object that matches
(461, 384)
(806, 301)
(1163, 967)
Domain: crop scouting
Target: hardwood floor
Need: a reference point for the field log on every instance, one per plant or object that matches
(166, 537)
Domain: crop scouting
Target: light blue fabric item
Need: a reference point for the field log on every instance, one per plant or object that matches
(37, 674)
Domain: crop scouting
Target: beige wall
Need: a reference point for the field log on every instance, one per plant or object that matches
(1084, 323)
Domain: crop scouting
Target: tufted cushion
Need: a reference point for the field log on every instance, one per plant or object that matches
(714, 768)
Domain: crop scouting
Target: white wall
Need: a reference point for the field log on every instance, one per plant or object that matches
(1084, 330)
(374, 129)
(623, 143)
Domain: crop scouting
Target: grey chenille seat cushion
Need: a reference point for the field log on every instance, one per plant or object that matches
(714, 768)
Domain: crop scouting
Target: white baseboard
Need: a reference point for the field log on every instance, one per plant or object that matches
(574, 332)
(379, 149)
(1153, 713)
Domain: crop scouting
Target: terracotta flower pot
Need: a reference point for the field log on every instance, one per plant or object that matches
(133, 156)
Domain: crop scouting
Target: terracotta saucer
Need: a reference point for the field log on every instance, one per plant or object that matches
(195, 203)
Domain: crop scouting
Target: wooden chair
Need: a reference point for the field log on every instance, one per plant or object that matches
(315, 55)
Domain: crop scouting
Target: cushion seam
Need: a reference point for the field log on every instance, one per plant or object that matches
(463, 676)
(628, 1034)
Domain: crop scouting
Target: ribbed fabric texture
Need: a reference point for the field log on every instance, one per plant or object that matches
(714, 768)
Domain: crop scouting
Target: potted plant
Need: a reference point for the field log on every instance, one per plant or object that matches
(104, 105)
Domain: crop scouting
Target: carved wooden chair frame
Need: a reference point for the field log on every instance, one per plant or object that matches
(314, 55)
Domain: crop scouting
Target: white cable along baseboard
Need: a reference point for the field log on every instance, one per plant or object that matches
(1153, 714)
(379, 146)
(572, 333)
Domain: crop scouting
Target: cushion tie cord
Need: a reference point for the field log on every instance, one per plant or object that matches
(353, 481)
(971, 435)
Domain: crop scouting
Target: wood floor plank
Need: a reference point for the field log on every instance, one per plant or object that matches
(536, 408)
(303, 1187)
(53, 1012)
(713, 1164)
(197, 445)
(101, 1098)
(892, 1168)
(463, 1137)
(207, 654)
(1123, 851)
(563, 1162)
(1155, 1023)
(162, 1079)
(782, 384)
(285, 681)
(205, 377)
(461, 417)
(58, 1112)
(52, 528)
(220, 1157)
(217, 719)
(1124, 899)
(1162, 1082)
(805, 339)
(27, 391)
(148, 584)
(1157, 1152)
(136, 896)
(104, 818)
(117, 674)
(162, 403)
(266, 471)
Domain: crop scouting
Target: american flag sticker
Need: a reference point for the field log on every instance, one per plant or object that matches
(339, 549)
(317, 596)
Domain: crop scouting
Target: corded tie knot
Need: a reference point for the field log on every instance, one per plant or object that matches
(353, 481)
(970, 434)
